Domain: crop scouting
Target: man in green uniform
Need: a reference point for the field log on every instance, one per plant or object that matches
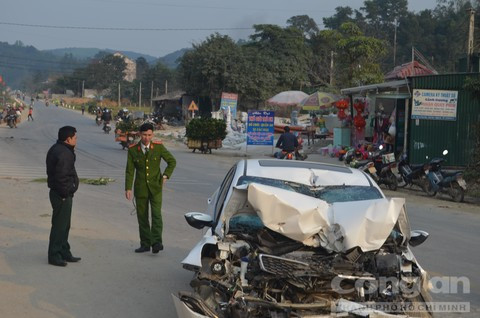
(144, 162)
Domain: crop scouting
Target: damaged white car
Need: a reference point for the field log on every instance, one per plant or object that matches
(303, 239)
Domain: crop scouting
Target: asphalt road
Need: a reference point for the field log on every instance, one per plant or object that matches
(113, 281)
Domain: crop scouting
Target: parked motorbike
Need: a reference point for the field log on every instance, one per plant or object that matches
(412, 174)
(451, 183)
(381, 170)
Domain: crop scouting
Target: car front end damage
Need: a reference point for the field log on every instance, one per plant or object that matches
(310, 258)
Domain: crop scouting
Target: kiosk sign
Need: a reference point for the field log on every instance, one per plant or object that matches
(260, 128)
(229, 100)
(434, 104)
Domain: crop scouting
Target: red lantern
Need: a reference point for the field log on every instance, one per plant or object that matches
(358, 120)
(342, 105)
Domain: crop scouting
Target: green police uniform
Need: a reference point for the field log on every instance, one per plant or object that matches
(148, 187)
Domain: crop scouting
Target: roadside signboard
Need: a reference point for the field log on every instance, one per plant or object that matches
(229, 100)
(260, 128)
(434, 104)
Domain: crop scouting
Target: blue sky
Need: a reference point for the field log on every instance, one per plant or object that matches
(169, 14)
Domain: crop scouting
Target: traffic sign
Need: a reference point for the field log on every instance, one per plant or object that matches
(193, 106)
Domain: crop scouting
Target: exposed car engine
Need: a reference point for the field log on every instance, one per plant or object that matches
(256, 272)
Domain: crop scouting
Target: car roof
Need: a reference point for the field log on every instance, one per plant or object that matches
(304, 171)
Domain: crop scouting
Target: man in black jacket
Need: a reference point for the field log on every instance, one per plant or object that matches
(287, 142)
(63, 182)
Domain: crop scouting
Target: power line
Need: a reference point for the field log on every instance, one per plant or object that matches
(118, 28)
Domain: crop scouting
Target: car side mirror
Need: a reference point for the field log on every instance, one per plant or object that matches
(417, 237)
(198, 220)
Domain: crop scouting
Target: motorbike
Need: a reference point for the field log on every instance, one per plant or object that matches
(451, 183)
(11, 120)
(46, 104)
(412, 174)
(380, 169)
(98, 120)
(107, 127)
(379, 166)
(287, 155)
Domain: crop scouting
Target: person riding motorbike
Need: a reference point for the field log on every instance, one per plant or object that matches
(287, 142)
(106, 117)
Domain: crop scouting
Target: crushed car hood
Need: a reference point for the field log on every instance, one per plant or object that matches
(337, 227)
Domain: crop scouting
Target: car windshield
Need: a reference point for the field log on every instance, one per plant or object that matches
(330, 194)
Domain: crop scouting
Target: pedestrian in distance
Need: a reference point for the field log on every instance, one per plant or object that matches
(143, 165)
(30, 113)
(83, 109)
(63, 183)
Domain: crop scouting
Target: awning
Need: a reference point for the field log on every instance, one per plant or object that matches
(175, 95)
(380, 87)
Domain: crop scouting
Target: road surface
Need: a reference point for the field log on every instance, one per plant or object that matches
(113, 281)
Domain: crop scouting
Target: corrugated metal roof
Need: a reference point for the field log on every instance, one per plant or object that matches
(408, 70)
(373, 87)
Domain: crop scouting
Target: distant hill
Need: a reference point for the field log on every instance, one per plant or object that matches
(21, 64)
(86, 53)
(170, 60)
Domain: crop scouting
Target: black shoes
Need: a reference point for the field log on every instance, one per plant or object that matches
(157, 247)
(58, 262)
(72, 259)
(143, 249)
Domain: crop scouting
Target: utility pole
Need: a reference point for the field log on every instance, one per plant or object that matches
(166, 87)
(470, 39)
(331, 68)
(119, 100)
(151, 98)
(83, 89)
(140, 96)
(395, 44)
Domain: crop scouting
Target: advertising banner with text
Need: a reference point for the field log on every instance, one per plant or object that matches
(434, 104)
(260, 128)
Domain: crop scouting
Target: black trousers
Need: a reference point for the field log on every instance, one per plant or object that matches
(58, 247)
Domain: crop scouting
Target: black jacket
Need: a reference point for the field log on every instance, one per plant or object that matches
(62, 176)
(287, 142)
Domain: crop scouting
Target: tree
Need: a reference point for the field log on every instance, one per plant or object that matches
(304, 23)
(342, 15)
(212, 67)
(359, 56)
(285, 53)
(105, 72)
(142, 67)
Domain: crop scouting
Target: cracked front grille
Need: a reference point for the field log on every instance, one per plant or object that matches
(281, 266)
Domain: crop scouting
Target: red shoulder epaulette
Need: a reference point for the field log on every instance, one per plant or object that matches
(132, 145)
(157, 142)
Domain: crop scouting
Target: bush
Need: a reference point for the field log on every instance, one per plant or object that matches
(125, 126)
(206, 129)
